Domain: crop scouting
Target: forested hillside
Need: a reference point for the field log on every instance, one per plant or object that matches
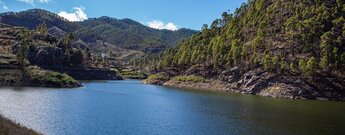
(295, 40)
(299, 36)
(124, 33)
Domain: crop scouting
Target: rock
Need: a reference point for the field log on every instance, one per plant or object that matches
(46, 56)
(230, 75)
(263, 83)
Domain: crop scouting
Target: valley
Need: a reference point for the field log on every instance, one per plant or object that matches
(258, 69)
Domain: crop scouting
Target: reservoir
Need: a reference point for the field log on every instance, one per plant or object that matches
(130, 107)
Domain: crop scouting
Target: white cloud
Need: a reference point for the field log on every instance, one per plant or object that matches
(44, 1)
(156, 24)
(32, 2)
(78, 14)
(3, 5)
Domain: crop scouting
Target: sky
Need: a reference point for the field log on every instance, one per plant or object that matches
(159, 14)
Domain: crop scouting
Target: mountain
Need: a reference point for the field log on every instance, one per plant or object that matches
(130, 34)
(275, 48)
(124, 33)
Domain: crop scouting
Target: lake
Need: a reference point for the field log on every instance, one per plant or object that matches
(129, 107)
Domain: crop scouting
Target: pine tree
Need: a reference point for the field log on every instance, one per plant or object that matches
(312, 66)
(302, 65)
(42, 28)
(22, 50)
(268, 63)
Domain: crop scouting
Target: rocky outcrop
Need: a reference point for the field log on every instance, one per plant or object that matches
(46, 56)
(260, 82)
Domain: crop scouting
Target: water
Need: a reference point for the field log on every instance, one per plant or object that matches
(129, 107)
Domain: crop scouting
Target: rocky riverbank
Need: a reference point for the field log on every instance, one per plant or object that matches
(259, 82)
(8, 127)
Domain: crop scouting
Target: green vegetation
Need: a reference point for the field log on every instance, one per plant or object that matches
(50, 78)
(22, 50)
(267, 34)
(191, 78)
(31, 41)
(132, 74)
(124, 33)
(159, 76)
(312, 66)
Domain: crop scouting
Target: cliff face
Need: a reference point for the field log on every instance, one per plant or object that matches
(268, 47)
(46, 56)
(43, 50)
(260, 82)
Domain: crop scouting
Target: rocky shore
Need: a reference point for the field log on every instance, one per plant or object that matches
(259, 82)
(8, 127)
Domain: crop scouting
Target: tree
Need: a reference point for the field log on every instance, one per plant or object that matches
(235, 51)
(225, 18)
(268, 63)
(283, 65)
(244, 53)
(195, 55)
(312, 66)
(327, 41)
(182, 59)
(22, 50)
(324, 63)
(302, 65)
(342, 60)
(292, 28)
(42, 28)
(204, 27)
(110, 54)
(275, 61)
(292, 66)
(69, 38)
(87, 55)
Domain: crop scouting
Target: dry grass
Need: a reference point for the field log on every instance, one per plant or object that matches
(7, 127)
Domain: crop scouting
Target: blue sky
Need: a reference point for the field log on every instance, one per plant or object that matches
(161, 14)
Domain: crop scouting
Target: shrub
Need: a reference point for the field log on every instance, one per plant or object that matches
(191, 78)
(134, 74)
(50, 77)
(159, 76)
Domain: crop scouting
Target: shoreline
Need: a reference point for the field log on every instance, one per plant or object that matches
(39, 85)
(274, 90)
(9, 127)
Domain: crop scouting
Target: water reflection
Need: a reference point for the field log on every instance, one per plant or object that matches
(129, 107)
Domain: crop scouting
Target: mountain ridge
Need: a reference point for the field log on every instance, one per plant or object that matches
(125, 33)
